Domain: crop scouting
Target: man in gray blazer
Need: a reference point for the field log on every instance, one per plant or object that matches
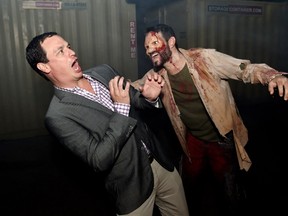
(97, 116)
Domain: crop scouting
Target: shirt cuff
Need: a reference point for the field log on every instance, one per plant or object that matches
(122, 108)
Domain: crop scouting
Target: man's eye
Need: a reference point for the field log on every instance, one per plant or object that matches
(155, 42)
(60, 51)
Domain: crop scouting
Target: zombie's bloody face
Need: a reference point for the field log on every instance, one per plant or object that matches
(157, 48)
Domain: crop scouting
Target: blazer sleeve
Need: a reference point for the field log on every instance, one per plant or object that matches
(95, 135)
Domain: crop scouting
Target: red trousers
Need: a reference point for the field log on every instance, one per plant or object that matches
(223, 189)
(203, 154)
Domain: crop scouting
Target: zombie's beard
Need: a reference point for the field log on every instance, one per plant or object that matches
(164, 57)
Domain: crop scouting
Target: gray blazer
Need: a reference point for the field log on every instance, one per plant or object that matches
(108, 141)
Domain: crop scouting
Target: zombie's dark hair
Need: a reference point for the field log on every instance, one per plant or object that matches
(166, 31)
(35, 53)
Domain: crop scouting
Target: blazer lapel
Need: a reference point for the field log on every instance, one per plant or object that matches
(70, 98)
(103, 73)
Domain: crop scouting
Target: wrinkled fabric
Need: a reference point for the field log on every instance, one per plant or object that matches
(210, 71)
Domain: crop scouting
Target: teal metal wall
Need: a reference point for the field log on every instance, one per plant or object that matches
(100, 31)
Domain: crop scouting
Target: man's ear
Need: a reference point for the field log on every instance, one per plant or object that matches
(43, 67)
(171, 42)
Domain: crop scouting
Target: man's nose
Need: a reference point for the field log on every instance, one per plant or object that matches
(71, 52)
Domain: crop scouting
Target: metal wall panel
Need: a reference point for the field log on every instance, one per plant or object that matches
(98, 30)
(260, 37)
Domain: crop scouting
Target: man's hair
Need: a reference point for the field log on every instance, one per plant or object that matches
(167, 32)
(35, 53)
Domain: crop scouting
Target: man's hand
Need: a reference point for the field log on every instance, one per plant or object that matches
(152, 85)
(117, 92)
(281, 83)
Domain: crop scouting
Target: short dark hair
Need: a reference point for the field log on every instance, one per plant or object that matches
(166, 30)
(35, 53)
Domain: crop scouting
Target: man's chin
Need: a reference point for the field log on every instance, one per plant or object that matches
(157, 67)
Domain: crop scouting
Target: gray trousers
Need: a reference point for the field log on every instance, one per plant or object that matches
(168, 194)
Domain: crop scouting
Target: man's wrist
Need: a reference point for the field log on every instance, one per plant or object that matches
(155, 102)
(273, 77)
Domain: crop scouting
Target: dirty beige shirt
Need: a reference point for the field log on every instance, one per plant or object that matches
(210, 71)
